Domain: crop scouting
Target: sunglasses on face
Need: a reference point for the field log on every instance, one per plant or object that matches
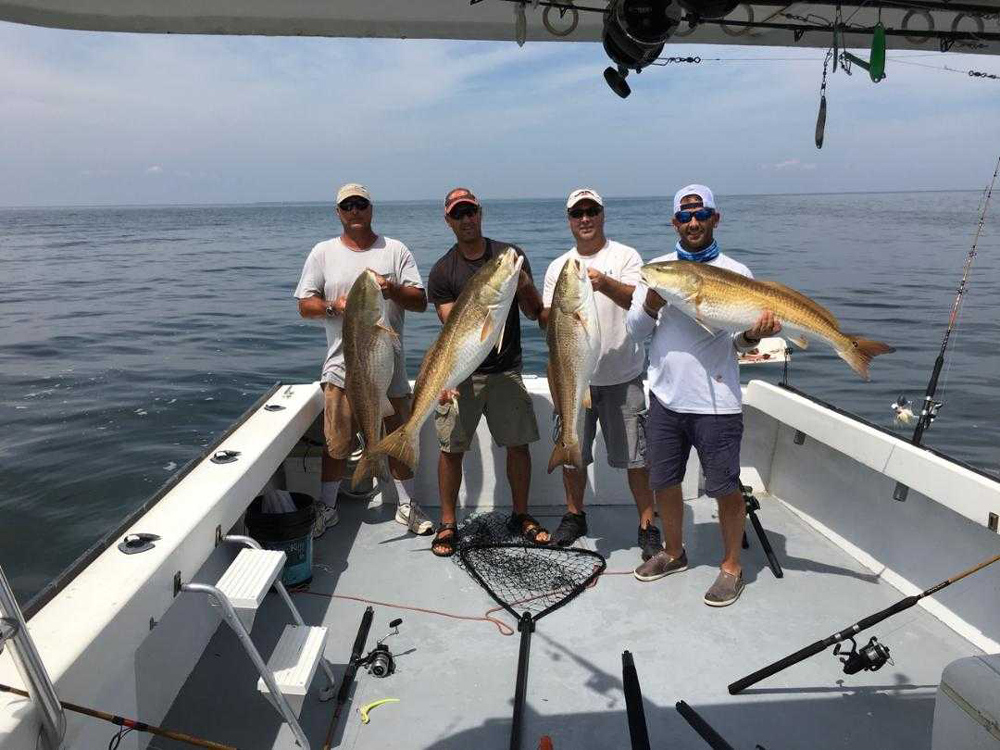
(460, 212)
(702, 214)
(579, 213)
(361, 204)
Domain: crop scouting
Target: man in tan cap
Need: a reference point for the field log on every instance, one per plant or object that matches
(495, 388)
(616, 389)
(330, 270)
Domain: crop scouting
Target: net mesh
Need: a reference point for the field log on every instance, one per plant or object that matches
(524, 577)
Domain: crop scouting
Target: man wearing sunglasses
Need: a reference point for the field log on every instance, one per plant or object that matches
(616, 391)
(330, 270)
(495, 388)
(695, 400)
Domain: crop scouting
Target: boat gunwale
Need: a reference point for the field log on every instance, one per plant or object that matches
(75, 568)
(889, 433)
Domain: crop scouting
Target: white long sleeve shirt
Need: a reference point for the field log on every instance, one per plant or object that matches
(690, 370)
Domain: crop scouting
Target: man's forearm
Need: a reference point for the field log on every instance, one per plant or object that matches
(412, 298)
(618, 292)
(312, 307)
(530, 301)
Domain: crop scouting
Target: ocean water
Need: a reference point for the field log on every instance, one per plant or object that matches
(129, 337)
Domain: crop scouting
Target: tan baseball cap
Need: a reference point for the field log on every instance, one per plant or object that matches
(352, 190)
(581, 194)
(459, 196)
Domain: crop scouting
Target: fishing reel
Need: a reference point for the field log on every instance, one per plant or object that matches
(380, 661)
(869, 658)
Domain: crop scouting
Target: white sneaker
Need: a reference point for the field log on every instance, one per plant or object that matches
(413, 517)
(326, 516)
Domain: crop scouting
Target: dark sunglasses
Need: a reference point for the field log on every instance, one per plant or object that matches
(702, 214)
(361, 204)
(579, 213)
(461, 211)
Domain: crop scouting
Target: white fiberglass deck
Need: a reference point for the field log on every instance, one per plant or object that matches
(455, 678)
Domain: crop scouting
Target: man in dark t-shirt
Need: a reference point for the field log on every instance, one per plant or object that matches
(495, 388)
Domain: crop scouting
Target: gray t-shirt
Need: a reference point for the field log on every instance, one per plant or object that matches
(330, 271)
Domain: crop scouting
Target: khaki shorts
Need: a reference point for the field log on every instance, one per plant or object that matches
(339, 427)
(504, 400)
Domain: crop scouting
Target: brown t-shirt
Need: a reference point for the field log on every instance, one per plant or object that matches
(448, 278)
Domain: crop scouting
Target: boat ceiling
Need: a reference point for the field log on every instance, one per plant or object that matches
(929, 25)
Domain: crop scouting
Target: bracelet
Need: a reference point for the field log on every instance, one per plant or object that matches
(654, 314)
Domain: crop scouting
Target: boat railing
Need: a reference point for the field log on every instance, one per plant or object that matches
(14, 631)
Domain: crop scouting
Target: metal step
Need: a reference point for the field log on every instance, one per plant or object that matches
(293, 662)
(247, 581)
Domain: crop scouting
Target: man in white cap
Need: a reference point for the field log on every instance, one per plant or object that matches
(617, 394)
(329, 272)
(695, 400)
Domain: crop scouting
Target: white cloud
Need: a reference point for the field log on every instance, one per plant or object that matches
(250, 118)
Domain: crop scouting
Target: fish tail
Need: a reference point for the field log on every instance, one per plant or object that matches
(566, 454)
(400, 445)
(859, 353)
(368, 466)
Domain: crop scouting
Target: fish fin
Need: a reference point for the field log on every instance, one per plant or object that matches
(566, 455)
(387, 408)
(860, 352)
(487, 328)
(800, 341)
(401, 446)
(581, 318)
(503, 329)
(705, 326)
(393, 336)
(587, 403)
(809, 301)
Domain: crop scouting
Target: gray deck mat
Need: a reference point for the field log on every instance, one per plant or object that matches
(455, 678)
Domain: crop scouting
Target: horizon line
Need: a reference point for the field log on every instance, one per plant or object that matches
(436, 200)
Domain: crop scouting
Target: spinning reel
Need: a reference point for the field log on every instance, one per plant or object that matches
(380, 661)
(870, 658)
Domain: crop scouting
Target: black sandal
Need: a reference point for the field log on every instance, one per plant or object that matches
(448, 542)
(527, 526)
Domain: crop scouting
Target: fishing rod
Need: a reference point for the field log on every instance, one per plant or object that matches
(132, 724)
(930, 407)
(637, 730)
(702, 727)
(352, 669)
(871, 657)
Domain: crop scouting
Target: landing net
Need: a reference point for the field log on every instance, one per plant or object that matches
(523, 577)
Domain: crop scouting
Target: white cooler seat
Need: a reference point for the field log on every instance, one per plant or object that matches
(967, 707)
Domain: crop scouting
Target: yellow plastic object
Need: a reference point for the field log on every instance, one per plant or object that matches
(374, 704)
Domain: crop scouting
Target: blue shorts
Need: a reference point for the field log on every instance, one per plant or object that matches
(716, 437)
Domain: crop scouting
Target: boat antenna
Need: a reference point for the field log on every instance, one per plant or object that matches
(848, 633)
(930, 408)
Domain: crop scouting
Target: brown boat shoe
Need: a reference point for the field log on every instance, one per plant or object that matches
(661, 564)
(726, 589)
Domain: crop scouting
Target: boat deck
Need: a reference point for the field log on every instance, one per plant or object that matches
(455, 678)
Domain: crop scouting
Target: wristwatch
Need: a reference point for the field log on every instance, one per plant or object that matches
(330, 312)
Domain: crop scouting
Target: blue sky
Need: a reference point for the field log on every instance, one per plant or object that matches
(118, 118)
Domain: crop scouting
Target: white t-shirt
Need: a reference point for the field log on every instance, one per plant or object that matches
(330, 271)
(690, 370)
(622, 357)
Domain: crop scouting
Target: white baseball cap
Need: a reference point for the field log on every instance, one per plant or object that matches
(707, 199)
(353, 190)
(581, 194)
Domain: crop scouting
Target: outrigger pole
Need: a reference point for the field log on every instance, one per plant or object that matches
(849, 632)
(133, 724)
(930, 407)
